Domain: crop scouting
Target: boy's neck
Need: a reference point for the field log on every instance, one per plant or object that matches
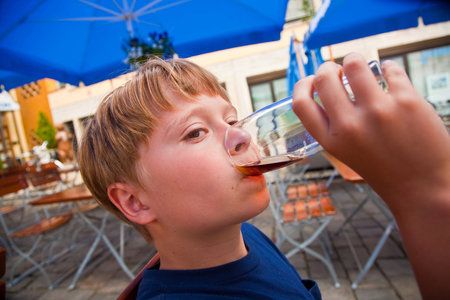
(182, 253)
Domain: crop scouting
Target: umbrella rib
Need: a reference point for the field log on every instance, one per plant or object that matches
(161, 8)
(88, 19)
(99, 7)
(122, 9)
(144, 8)
(132, 5)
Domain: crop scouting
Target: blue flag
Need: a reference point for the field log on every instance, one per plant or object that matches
(315, 59)
(293, 72)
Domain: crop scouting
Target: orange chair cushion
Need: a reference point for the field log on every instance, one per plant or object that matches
(302, 209)
(305, 190)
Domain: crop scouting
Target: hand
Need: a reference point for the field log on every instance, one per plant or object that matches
(399, 145)
(394, 140)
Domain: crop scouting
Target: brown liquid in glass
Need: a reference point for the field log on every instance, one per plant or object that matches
(267, 164)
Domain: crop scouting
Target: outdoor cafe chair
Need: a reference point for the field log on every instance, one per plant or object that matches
(42, 237)
(30, 234)
(302, 210)
(13, 187)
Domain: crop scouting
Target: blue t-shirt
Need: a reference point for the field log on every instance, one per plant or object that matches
(264, 273)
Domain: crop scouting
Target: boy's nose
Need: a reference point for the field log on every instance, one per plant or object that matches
(237, 141)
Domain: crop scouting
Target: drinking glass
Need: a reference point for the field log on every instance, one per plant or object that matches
(274, 137)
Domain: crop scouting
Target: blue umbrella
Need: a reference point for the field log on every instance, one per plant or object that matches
(343, 20)
(12, 79)
(82, 40)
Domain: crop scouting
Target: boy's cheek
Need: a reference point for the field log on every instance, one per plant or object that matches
(203, 161)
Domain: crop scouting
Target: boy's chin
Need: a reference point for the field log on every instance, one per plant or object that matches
(259, 203)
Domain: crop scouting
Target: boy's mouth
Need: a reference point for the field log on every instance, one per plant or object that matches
(249, 170)
(247, 173)
(255, 177)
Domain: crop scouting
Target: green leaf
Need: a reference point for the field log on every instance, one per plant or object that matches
(46, 131)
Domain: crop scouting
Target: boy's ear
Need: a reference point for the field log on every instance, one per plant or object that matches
(124, 197)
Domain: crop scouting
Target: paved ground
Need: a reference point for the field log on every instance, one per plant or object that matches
(390, 278)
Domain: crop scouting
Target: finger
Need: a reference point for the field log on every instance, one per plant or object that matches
(331, 91)
(310, 113)
(361, 79)
(396, 77)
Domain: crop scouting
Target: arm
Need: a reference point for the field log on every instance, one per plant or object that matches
(399, 145)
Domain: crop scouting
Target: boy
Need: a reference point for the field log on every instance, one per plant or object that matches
(153, 155)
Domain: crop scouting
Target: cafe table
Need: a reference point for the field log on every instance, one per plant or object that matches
(77, 195)
(352, 177)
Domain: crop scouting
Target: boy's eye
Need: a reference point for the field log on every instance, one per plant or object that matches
(231, 123)
(195, 134)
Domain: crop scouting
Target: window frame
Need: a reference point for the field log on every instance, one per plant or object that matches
(265, 78)
(404, 50)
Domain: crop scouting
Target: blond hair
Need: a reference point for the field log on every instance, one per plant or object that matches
(125, 119)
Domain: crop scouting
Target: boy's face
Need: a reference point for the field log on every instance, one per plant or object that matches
(189, 182)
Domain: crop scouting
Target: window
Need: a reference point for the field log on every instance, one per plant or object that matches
(429, 71)
(266, 89)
